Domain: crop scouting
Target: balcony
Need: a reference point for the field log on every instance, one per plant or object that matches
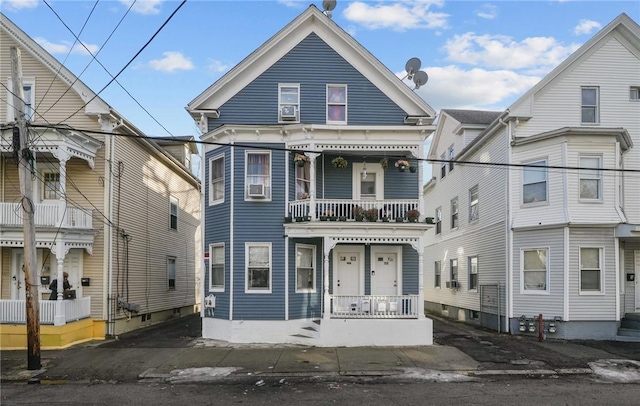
(344, 209)
(374, 307)
(15, 311)
(47, 215)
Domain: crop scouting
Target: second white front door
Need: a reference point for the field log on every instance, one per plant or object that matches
(386, 276)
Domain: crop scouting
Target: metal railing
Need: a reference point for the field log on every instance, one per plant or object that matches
(47, 215)
(375, 307)
(348, 208)
(15, 311)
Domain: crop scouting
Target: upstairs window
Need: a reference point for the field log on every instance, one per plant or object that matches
(634, 93)
(454, 213)
(216, 272)
(337, 104)
(303, 180)
(443, 166)
(216, 175)
(28, 88)
(453, 263)
(590, 111)
(473, 203)
(534, 182)
(473, 272)
(289, 102)
(51, 185)
(591, 179)
(437, 270)
(452, 155)
(173, 213)
(438, 220)
(258, 175)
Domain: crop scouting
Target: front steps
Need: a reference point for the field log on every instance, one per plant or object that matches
(629, 328)
(309, 333)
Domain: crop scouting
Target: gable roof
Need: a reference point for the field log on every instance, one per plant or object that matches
(312, 20)
(629, 34)
(473, 116)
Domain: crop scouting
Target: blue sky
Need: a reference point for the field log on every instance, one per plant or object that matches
(478, 54)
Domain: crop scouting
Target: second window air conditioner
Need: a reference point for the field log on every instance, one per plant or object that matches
(288, 113)
(256, 190)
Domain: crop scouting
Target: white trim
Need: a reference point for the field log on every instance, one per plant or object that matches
(397, 249)
(224, 268)
(567, 276)
(547, 289)
(616, 261)
(213, 202)
(315, 268)
(247, 289)
(269, 179)
(356, 174)
(601, 258)
(339, 249)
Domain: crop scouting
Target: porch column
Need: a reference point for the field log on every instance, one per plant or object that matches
(421, 283)
(325, 284)
(312, 184)
(62, 202)
(59, 318)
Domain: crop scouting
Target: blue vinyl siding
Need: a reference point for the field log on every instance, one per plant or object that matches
(305, 305)
(217, 229)
(312, 64)
(259, 221)
(410, 272)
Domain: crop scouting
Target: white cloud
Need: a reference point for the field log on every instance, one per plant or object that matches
(15, 5)
(216, 66)
(488, 11)
(503, 52)
(64, 46)
(144, 6)
(586, 27)
(399, 16)
(172, 61)
(452, 87)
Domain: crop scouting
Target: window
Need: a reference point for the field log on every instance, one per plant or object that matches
(303, 180)
(437, 270)
(454, 213)
(258, 260)
(634, 93)
(590, 270)
(289, 102)
(534, 269)
(473, 203)
(28, 88)
(534, 182)
(368, 186)
(473, 272)
(305, 268)
(51, 185)
(258, 175)
(216, 267)
(453, 263)
(443, 166)
(216, 176)
(451, 157)
(590, 179)
(171, 273)
(590, 113)
(438, 220)
(173, 213)
(336, 104)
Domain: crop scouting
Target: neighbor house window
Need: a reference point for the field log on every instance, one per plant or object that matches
(289, 102)
(305, 268)
(171, 273)
(437, 270)
(173, 213)
(438, 220)
(473, 272)
(216, 272)
(452, 155)
(443, 166)
(303, 180)
(28, 88)
(590, 111)
(258, 174)
(534, 269)
(51, 185)
(591, 179)
(216, 176)
(590, 269)
(337, 104)
(634, 93)
(258, 273)
(453, 264)
(473, 203)
(534, 182)
(454, 213)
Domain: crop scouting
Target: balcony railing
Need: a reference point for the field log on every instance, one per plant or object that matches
(346, 208)
(47, 215)
(15, 311)
(375, 307)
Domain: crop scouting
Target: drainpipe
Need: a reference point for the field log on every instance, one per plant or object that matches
(508, 233)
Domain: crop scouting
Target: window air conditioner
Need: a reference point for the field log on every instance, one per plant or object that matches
(288, 113)
(455, 285)
(256, 190)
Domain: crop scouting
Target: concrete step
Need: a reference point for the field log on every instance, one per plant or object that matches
(630, 323)
(629, 332)
(632, 316)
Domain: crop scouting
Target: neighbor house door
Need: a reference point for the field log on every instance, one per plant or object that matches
(18, 290)
(637, 275)
(348, 275)
(386, 275)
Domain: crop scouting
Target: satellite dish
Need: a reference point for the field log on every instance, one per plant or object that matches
(328, 5)
(420, 78)
(412, 66)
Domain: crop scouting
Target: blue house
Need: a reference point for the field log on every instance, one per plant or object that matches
(312, 197)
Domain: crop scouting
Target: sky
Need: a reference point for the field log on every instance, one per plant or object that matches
(477, 54)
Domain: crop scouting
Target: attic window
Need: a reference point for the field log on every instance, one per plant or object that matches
(288, 103)
(337, 104)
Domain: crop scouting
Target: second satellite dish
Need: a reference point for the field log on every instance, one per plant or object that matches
(420, 78)
(327, 6)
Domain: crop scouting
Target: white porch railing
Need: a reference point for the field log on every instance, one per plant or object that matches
(47, 215)
(375, 307)
(15, 311)
(391, 209)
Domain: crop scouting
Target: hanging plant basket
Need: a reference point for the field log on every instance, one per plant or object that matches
(339, 163)
(384, 163)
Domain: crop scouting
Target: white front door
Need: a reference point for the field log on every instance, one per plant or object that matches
(18, 291)
(637, 277)
(385, 271)
(348, 275)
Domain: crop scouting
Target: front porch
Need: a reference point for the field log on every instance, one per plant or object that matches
(15, 311)
(374, 307)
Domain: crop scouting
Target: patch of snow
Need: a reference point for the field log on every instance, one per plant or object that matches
(434, 375)
(617, 370)
(199, 374)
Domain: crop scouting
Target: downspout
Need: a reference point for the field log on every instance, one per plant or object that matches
(203, 268)
(509, 235)
(109, 153)
(231, 238)
(566, 234)
(286, 237)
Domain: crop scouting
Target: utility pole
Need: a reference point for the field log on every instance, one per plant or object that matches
(25, 166)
